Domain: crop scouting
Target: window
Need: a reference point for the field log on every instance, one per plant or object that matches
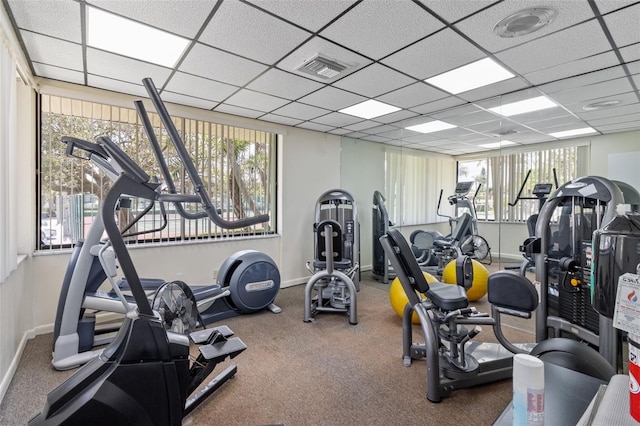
(237, 166)
(502, 177)
(413, 182)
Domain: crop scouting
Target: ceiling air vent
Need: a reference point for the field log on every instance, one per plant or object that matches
(321, 67)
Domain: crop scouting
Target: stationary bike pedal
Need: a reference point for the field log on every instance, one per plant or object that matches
(217, 352)
(202, 336)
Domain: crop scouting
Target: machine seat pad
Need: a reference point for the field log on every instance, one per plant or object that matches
(447, 297)
(342, 264)
(508, 289)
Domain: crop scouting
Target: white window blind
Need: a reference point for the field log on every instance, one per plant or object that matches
(8, 157)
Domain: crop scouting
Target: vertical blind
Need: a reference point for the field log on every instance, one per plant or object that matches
(8, 156)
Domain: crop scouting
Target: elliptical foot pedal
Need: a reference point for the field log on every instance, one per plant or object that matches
(202, 336)
(209, 388)
(217, 352)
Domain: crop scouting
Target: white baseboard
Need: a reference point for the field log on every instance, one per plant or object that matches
(11, 371)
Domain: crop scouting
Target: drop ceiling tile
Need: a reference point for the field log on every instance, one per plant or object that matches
(363, 125)
(116, 86)
(199, 87)
(606, 6)
(122, 68)
(566, 120)
(56, 73)
(337, 119)
(510, 97)
(630, 53)
(215, 64)
(417, 60)
(373, 80)
(300, 111)
(608, 88)
(467, 119)
(623, 25)
(315, 126)
(261, 37)
(378, 28)
(55, 18)
(317, 45)
(480, 26)
(180, 99)
(438, 105)
(574, 68)
(283, 84)
(236, 110)
(280, 119)
(52, 51)
(624, 98)
(412, 95)
(257, 101)
(314, 15)
(379, 129)
(617, 119)
(453, 11)
(340, 131)
(611, 112)
(396, 134)
(163, 14)
(583, 80)
(356, 135)
(332, 98)
(374, 138)
(543, 114)
(634, 67)
(613, 128)
(494, 89)
(557, 48)
(395, 117)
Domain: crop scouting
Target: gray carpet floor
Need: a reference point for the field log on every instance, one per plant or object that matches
(296, 373)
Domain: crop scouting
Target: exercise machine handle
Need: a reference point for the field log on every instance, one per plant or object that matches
(198, 185)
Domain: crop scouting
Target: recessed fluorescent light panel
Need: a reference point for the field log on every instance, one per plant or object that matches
(497, 144)
(574, 132)
(430, 127)
(369, 109)
(521, 107)
(115, 34)
(476, 74)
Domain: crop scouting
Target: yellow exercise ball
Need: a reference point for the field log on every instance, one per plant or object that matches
(480, 278)
(399, 299)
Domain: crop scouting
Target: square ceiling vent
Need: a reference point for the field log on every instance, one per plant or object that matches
(321, 67)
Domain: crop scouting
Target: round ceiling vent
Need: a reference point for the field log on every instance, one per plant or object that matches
(524, 22)
(601, 105)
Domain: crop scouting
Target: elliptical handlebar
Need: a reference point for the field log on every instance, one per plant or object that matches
(199, 188)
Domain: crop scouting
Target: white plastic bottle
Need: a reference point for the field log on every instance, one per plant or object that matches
(528, 391)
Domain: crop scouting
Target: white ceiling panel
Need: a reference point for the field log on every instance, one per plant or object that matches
(480, 26)
(125, 69)
(261, 37)
(199, 87)
(382, 27)
(314, 15)
(50, 17)
(417, 60)
(56, 73)
(374, 80)
(52, 51)
(623, 24)
(558, 48)
(243, 59)
(453, 11)
(215, 64)
(283, 84)
(562, 72)
(332, 98)
(181, 17)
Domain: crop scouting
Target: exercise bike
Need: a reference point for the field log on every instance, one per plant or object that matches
(449, 323)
